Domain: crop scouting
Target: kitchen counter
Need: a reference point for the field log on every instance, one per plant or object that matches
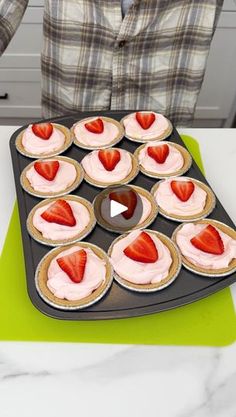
(118, 380)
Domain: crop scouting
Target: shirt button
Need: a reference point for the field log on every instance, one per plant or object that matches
(121, 44)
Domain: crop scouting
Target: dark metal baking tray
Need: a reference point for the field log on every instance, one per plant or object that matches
(119, 302)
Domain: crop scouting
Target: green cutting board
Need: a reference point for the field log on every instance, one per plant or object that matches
(210, 321)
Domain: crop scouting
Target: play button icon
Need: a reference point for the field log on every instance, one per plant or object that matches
(118, 209)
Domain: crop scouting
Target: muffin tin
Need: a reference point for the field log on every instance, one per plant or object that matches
(119, 302)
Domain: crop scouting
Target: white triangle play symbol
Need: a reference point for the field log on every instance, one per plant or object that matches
(116, 208)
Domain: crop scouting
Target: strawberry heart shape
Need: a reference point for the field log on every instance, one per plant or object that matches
(142, 249)
(47, 169)
(95, 126)
(43, 130)
(159, 153)
(109, 158)
(128, 198)
(74, 265)
(145, 119)
(209, 241)
(182, 189)
(59, 212)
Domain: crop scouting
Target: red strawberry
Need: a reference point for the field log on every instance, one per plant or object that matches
(47, 169)
(145, 119)
(158, 153)
(182, 189)
(209, 241)
(109, 158)
(74, 265)
(95, 126)
(59, 212)
(142, 249)
(128, 198)
(43, 130)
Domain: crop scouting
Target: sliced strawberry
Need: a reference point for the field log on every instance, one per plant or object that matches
(209, 241)
(158, 153)
(95, 126)
(59, 212)
(47, 169)
(128, 198)
(142, 249)
(109, 158)
(43, 130)
(182, 189)
(145, 119)
(74, 265)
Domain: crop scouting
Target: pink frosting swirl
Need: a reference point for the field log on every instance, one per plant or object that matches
(86, 137)
(95, 169)
(134, 130)
(55, 231)
(200, 258)
(173, 162)
(63, 287)
(171, 204)
(37, 146)
(139, 272)
(64, 178)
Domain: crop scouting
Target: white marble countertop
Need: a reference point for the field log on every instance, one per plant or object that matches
(57, 379)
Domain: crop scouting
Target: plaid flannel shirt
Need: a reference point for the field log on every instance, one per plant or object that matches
(92, 59)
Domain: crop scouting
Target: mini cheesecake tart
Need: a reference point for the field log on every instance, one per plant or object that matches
(146, 126)
(54, 177)
(58, 276)
(97, 132)
(163, 159)
(43, 140)
(183, 199)
(56, 222)
(208, 247)
(144, 261)
(111, 166)
(121, 224)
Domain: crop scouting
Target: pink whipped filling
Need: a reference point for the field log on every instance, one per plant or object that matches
(173, 162)
(95, 169)
(37, 146)
(200, 258)
(171, 204)
(86, 137)
(139, 272)
(64, 178)
(119, 220)
(55, 231)
(134, 130)
(63, 287)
